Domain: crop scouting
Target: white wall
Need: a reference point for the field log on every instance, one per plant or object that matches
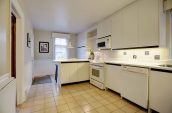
(82, 41)
(44, 36)
(43, 64)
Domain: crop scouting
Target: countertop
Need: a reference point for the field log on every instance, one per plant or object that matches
(151, 65)
(71, 60)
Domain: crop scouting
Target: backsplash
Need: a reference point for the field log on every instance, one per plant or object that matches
(147, 55)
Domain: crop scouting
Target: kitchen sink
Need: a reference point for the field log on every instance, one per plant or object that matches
(166, 65)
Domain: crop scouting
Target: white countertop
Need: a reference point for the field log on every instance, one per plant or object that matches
(152, 65)
(71, 60)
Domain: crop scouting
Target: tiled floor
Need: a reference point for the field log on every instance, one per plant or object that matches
(77, 98)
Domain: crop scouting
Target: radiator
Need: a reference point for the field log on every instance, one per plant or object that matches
(8, 96)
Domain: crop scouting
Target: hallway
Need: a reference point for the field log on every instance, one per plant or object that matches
(76, 98)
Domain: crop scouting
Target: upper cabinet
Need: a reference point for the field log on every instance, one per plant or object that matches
(104, 28)
(140, 24)
(117, 38)
(130, 25)
(82, 39)
(148, 22)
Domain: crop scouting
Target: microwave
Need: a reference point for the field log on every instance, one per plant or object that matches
(104, 42)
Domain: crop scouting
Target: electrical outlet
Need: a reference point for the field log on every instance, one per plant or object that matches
(157, 57)
(124, 53)
(146, 52)
(134, 56)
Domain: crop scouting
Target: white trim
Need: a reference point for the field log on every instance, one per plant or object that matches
(171, 35)
(60, 35)
(20, 34)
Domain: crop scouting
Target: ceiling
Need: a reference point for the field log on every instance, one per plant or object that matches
(70, 16)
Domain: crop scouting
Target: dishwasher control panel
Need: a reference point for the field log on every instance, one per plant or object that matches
(136, 69)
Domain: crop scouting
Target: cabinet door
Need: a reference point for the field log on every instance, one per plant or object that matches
(64, 73)
(161, 91)
(108, 26)
(100, 30)
(104, 28)
(83, 71)
(113, 77)
(148, 22)
(130, 25)
(72, 69)
(117, 38)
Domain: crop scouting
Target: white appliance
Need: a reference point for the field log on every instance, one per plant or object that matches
(97, 74)
(134, 85)
(8, 95)
(104, 42)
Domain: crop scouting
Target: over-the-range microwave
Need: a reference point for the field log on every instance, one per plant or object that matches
(104, 42)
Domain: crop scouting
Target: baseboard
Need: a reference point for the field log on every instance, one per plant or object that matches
(75, 82)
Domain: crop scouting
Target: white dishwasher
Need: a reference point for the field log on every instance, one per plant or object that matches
(134, 86)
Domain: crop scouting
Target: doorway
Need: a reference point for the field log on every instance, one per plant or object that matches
(13, 45)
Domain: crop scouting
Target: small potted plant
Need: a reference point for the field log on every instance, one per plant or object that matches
(91, 56)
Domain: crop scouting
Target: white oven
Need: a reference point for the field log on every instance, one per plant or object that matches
(97, 74)
(104, 42)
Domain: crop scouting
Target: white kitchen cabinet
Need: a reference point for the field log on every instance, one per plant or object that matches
(82, 53)
(141, 24)
(72, 69)
(82, 39)
(83, 71)
(104, 28)
(148, 22)
(130, 26)
(161, 91)
(64, 73)
(117, 38)
(113, 77)
(74, 72)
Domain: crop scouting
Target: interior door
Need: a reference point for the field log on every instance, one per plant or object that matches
(13, 45)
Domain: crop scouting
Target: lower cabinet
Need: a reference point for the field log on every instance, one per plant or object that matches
(113, 77)
(83, 71)
(161, 91)
(74, 72)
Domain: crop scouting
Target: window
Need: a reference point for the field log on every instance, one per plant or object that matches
(60, 46)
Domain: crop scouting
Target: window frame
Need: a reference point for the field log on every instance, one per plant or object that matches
(67, 55)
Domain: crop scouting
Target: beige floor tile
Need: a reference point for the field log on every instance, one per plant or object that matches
(68, 111)
(51, 110)
(96, 104)
(102, 110)
(76, 110)
(61, 108)
(73, 105)
(120, 103)
(118, 111)
(111, 107)
(92, 111)
(87, 107)
(128, 109)
(82, 102)
(77, 98)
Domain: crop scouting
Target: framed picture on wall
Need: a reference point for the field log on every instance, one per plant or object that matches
(43, 47)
